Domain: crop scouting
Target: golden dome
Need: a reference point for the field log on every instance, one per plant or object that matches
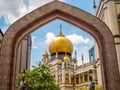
(66, 58)
(61, 44)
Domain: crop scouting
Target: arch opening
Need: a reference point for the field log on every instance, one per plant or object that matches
(77, 17)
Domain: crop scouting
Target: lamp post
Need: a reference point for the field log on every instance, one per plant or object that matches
(23, 86)
(91, 84)
(90, 75)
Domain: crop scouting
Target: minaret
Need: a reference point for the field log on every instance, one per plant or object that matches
(82, 60)
(45, 57)
(75, 55)
(95, 7)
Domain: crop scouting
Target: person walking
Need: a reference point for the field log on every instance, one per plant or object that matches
(91, 85)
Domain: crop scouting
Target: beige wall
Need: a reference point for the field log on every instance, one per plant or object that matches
(108, 12)
(118, 8)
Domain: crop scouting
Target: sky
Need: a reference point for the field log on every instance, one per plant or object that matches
(12, 10)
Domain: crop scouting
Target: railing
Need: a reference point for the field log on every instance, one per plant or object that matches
(97, 87)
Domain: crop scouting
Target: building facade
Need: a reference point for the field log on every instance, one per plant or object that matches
(23, 54)
(91, 55)
(68, 75)
(109, 12)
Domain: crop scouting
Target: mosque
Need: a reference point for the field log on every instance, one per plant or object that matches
(67, 74)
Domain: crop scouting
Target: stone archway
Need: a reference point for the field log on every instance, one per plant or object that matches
(75, 16)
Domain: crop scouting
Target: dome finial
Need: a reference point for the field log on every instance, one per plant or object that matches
(60, 27)
(60, 34)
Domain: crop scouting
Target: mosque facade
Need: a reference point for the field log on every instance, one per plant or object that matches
(64, 68)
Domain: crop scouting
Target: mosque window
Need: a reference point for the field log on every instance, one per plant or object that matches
(77, 80)
(66, 74)
(119, 16)
(66, 80)
(86, 77)
(72, 80)
(54, 75)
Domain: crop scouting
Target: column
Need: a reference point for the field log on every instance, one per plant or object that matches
(69, 77)
(94, 75)
(114, 27)
(63, 76)
(56, 76)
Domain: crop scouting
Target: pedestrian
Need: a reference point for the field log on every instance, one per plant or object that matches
(23, 86)
(91, 85)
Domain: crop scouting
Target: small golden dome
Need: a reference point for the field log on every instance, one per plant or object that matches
(61, 44)
(66, 58)
(45, 53)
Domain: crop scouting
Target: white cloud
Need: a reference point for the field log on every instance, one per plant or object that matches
(49, 37)
(33, 4)
(12, 9)
(77, 39)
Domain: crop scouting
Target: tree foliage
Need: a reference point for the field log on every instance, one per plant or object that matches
(39, 78)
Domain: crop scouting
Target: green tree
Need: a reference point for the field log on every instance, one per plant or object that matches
(39, 78)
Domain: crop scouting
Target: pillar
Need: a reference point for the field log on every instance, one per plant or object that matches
(69, 77)
(113, 25)
(63, 76)
(83, 77)
(94, 75)
(56, 76)
(79, 79)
